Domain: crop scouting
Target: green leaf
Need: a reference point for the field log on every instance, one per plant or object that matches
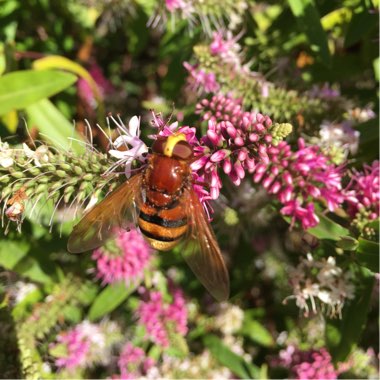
(360, 25)
(343, 335)
(328, 229)
(368, 254)
(54, 126)
(19, 89)
(309, 20)
(31, 268)
(230, 360)
(72, 313)
(348, 243)
(11, 252)
(257, 332)
(109, 299)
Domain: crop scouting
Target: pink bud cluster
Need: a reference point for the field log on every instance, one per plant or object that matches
(126, 262)
(312, 364)
(160, 318)
(133, 363)
(239, 142)
(299, 179)
(363, 192)
(235, 141)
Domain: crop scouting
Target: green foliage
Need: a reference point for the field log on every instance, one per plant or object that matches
(308, 18)
(343, 335)
(23, 88)
(109, 299)
(231, 360)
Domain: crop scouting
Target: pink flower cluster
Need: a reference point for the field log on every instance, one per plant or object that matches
(133, 362)
(240, 142)
(300, 178)
(124, 262)
(235, 141)
(77, 347)
(312, 364)
(363, 192)
(80, 346)
(199, 80)
(160, 319)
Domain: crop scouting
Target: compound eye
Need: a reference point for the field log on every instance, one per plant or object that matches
(159, 145)
(182, 150)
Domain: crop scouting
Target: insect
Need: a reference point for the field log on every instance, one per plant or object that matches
(168, 213)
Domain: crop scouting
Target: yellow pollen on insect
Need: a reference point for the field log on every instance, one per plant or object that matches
(171, 142)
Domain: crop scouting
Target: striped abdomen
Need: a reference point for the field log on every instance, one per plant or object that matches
(164, 225)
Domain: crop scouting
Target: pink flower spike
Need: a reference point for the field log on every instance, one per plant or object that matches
(159, 317)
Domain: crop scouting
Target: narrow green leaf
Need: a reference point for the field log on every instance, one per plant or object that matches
(328, 229)
(257, 332)
(19, 89)
(229, 359)
(53, 125)
(109, 299)
(308, 18)
(361, 24)
(11, 252)
(344, 335)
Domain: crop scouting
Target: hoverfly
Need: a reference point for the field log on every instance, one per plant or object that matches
(169, 212)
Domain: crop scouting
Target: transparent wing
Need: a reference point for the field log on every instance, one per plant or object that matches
(100, 223)
(202, 253)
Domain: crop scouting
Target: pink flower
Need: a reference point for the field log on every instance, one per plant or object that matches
(160, 318)
(200, 81)
(240, 143)
(227, 48)
(126, 261)
(312, 364)
(236, 141)
(363, 192)
(82, 346)
(299, 179)
(77, 347)
(133, 362)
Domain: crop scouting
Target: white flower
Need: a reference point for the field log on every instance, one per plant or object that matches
(6, 159)
(340, 135)
(230, 319)
(320, 283)
(128, 147)
(40, 156)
